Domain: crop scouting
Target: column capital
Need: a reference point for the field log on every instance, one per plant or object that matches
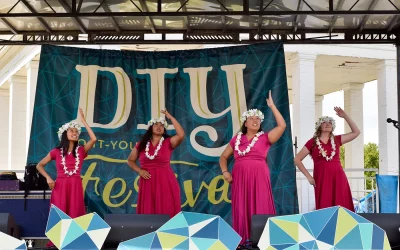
(352, 86)
(17, 79)
(302, 57)
(32, 64)
(386, 63)
(319, 98)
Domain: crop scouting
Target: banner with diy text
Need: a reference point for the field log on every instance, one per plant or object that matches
(206, 90)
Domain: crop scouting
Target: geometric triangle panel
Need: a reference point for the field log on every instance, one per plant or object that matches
(188, 230)
(67, 233)
(331, 228)
(9, 242)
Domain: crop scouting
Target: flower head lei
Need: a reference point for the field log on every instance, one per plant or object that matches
(250, 113)
(325, 119)
(156, 120)
(68, 125)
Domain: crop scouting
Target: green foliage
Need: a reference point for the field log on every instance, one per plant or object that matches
(371, 160)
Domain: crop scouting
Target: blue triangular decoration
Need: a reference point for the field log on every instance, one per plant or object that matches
(308, 244)
(53, 219)
(97, 223)
(183, 246)
(193, 218)
(328, 233)
(184, 231)
(318, 219)
(278, 236)
(156, 243)
(144, 241)
(283, 246)
(352, 240)
(227, 235)
(209, 231)
(82, 242)
(22, 246)
(377, 238)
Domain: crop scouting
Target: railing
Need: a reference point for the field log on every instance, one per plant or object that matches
(361, 187)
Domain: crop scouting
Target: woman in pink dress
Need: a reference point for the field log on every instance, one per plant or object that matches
(330, 181)
(250, 179)
(67, 190)
(159, 191)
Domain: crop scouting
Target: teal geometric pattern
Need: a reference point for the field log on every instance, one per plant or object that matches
(9, 242)
(57, 98)
(86, 232)
(188, 231)
(330, 228)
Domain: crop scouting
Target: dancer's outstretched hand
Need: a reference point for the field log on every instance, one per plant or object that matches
(167, 114)
(340, 112)
(270, 102)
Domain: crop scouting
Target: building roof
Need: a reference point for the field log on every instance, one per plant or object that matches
(196, 21)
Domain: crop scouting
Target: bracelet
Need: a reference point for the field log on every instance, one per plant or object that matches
(225, 171)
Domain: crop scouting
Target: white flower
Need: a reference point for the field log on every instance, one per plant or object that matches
(323, 151)
(77, 161)
(151, 157)
(156, 120)
(248, 148)
(325, 119)
(252, 112)
(68, 125)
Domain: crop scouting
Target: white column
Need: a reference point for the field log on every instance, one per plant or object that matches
(318, 106)
(354, 150)
(17, 124)
(31, 76)
(303, 81)
(4, 109)
(387, 108)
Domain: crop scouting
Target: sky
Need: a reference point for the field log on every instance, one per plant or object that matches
(370, 107)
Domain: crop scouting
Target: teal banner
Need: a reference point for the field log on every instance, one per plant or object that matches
(206, 90)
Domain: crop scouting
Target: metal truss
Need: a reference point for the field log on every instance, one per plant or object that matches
(224, 34)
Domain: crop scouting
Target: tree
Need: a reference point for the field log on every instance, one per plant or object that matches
(342, 155)
(371, 160)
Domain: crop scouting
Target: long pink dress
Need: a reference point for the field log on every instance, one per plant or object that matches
(331, 185)
(161, 193)
(251, 184)
(67, 194)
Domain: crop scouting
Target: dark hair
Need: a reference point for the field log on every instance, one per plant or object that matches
(244, 128)
(64, 144)
(147, 136)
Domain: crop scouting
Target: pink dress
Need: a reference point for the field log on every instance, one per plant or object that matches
(331, 185)
(161, 193)
(251, 184)
(67, 194)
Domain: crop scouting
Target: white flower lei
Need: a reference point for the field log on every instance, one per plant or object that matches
(325, 119)
(77, 161)
(68, 125)
(156, 120)
(239, 136)
(250, 113)
(151, 157)
(323, 151)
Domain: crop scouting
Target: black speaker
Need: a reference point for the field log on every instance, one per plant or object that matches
(127, 226)
(8, 225)
(258, 222)
(390, 223)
